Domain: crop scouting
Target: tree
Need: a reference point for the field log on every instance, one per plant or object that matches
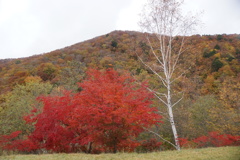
(19, 103)
(163, 18)
(73, 73)
(116, 107)
(106, 116)
(47, 71)
(216, 65)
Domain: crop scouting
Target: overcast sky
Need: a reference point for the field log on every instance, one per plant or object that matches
(30, 27)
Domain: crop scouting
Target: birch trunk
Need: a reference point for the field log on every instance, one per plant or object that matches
(171, 119)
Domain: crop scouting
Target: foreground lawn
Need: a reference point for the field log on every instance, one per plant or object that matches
(221, 153)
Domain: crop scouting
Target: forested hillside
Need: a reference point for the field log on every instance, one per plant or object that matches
(211, 83)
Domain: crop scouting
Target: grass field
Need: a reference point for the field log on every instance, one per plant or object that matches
(221, 153)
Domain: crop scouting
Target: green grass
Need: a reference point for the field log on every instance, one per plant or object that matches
(221, 153)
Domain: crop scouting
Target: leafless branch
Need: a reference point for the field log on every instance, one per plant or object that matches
(159, 76)
(160, 137)
(178, 101)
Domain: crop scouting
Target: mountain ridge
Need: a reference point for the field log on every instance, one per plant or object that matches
(211, 85)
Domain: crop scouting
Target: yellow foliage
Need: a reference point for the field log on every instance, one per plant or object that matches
(106, 62)
(209, 80)
(209, 84)
(30, 79)
(218, 55)
(229, 93)
(227, 70)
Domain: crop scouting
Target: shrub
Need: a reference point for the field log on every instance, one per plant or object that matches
(150, 145)
(215, 139)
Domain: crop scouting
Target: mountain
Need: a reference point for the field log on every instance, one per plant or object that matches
(213, 74)
(216, 56)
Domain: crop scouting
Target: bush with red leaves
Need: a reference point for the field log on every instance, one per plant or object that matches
(150, 145)
(215, 139)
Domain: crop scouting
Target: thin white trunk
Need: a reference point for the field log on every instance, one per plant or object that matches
(174, 130)
(171, 117)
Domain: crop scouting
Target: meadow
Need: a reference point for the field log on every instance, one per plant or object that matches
(221, 153)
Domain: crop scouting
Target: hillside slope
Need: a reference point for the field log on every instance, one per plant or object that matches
(211, 83)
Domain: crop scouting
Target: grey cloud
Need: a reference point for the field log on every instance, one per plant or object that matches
(48, 25)
(45, 25)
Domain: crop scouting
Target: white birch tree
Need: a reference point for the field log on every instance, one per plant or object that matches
(168, 27)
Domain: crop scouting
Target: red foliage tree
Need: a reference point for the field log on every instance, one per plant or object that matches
(105, 116)
(114, 109)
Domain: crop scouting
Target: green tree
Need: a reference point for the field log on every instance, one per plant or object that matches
(217, 47)
(208, 114)
(73, 73)
(19, 103)
(219, 37)
(216, 65)
(114, 44)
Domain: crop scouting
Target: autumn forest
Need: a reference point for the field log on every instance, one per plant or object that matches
(94, 97)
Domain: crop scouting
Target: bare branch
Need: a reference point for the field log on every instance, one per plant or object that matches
(162, 94)
(178, 55)
(178, 77)
(159, 76)
(159, 136)
(155, 53)
(158, 96)
(178, 101)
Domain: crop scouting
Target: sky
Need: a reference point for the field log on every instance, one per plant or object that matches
(31, 27)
